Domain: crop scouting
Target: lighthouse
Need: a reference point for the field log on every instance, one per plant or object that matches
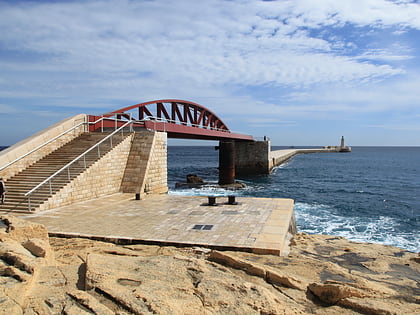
(343, 147)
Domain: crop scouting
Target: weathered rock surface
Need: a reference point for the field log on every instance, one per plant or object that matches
(322, 275)
(194, 179)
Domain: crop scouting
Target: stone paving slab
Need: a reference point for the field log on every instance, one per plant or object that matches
(256, 224)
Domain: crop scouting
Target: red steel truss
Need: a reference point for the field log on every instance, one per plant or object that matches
(180, 119)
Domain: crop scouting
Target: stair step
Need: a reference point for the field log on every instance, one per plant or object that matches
(29, 178)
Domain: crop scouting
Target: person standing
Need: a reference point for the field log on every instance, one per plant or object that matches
(2, 190)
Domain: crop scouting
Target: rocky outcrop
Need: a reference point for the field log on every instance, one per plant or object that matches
(322, 275)
(194, 179)
(24, 250)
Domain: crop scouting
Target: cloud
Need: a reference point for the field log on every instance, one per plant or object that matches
(292, 60)
(246, 43)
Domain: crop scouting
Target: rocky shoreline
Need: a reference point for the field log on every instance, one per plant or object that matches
(322, 275)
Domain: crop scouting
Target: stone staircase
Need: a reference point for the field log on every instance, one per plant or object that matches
(18, 185)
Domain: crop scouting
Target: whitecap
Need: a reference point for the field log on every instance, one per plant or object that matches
(323, 219)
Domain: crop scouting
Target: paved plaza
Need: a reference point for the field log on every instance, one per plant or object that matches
(259, 225)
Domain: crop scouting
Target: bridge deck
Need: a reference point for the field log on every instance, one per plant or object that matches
(259, 225)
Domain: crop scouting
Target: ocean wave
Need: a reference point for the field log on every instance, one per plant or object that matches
(323, 219)
(208, 190)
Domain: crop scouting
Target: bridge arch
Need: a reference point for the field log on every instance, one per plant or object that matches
(177, 112)
(180, 119)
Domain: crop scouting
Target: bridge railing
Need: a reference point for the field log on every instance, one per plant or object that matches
(101, 120)
(171, 121)
(42, 145)
(78, 158)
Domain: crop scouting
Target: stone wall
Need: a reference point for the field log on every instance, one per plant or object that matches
(19, 149)
(252, 158)
(156, 179)
(146, 170)
(137, 165)
(104, 177)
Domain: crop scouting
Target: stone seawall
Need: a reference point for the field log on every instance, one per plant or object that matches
(281, 156)
(254, 158)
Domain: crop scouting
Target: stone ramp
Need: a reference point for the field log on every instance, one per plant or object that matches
(259, 225)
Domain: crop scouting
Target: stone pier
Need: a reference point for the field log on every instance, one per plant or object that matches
(258, 225)
(253, 158)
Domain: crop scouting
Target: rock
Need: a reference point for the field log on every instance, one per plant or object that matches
(89, 302)
(38, 247)
(172, 285)
(19, 267)
(202, 250)
(271, 276)
(22, 262)
(194, 179)
(22, 230)
(290, 281)
(349, 278)
(416, 259)
(237, 263)
(378, 306)
(9, 306)
(332, 293)
(234, 186)
(76, 310)
(15, 273)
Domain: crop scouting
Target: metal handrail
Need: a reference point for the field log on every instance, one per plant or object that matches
(28, 194)
(164, 120)
(53, 139)
(42, 145)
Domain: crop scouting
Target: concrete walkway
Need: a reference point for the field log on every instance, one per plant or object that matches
(259, 225)
(280, 156)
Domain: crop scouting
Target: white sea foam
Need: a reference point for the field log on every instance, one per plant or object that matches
(204, 191)
(322, 219)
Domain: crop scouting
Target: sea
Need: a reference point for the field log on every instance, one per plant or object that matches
(369, 195)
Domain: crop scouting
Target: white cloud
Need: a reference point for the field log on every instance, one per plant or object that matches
(235, 42)
(100, 53)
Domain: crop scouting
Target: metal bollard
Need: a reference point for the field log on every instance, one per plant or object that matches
(212, 200)
(231, 200)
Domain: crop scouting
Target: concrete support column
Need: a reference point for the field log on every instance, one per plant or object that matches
(252, 158)
(226, 162)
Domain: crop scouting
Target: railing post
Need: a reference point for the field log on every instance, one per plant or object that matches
(102, 124)
(70, 163)
(29, 202)
(110, 139)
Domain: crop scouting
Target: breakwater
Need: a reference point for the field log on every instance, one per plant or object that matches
(278, 157)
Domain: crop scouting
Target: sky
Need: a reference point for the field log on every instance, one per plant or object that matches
(302, 72)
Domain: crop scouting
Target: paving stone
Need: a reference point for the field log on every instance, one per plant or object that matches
(171, 218)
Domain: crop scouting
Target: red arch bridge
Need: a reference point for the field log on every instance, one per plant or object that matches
(178, 118)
